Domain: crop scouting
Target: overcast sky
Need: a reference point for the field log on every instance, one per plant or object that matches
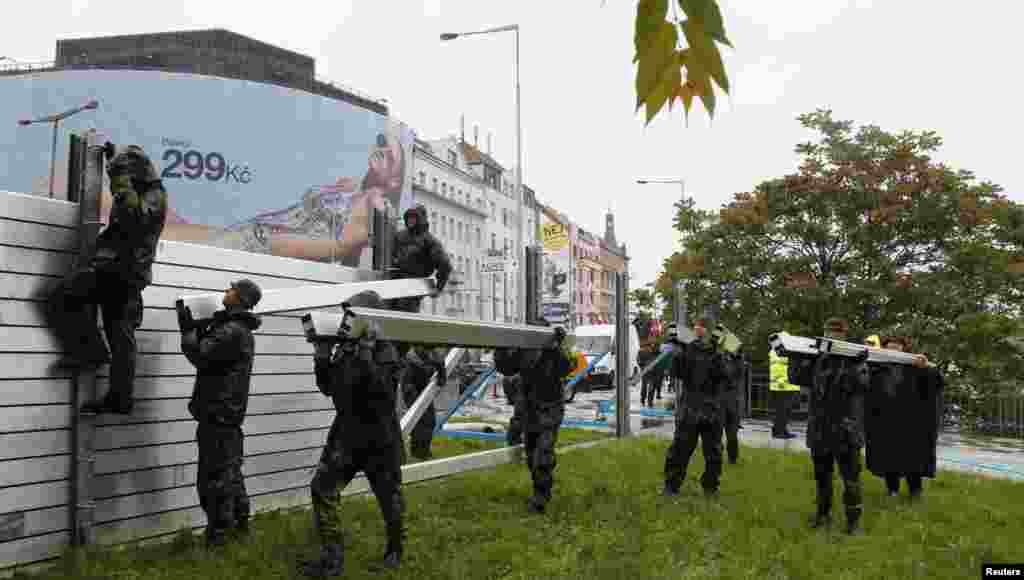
(902, 64)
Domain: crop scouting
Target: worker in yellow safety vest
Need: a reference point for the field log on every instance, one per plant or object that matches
(783, 392)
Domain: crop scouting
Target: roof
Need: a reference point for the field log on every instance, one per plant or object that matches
(167, 33)
(474, 156)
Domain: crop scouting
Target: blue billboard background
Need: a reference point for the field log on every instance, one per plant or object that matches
(247, 165)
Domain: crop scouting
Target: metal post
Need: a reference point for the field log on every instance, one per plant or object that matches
(84, 426)
(53, 155)
(530, 266)
(383, 238)
(622, 354)
(681, 316)
(519, 184)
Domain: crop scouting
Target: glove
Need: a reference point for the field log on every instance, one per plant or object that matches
(862, 356)
(185, 320)
(108, 150)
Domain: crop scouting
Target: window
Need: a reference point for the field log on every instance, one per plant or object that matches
(452, 158)
(492, 211)
(444, 189)
(423, 178)
(444, 227)
(479, 242)
(451, 227)
(494, 242)
(460, 231)
(504, 217)
(433, 217)
(460, 196)
(435, 185)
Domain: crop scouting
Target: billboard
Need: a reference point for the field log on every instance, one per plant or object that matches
(247, 165)
(556, 296)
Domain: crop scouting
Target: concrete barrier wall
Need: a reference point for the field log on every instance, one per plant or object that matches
(145, 463)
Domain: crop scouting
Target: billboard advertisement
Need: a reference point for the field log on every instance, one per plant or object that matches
(556, 296)
(247, 165)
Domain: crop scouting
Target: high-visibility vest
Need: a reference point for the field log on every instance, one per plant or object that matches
(778, 373)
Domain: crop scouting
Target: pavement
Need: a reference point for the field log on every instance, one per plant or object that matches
(989, 456)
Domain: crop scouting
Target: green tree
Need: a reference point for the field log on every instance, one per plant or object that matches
(868, 219)
(643, 298)
(661, 60)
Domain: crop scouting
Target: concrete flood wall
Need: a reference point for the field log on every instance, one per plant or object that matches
(145, 467)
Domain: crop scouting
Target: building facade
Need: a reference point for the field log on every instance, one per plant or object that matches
(457, 204)
(587, 252)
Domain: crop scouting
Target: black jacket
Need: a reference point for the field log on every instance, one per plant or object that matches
(223, 354)
(417, 253)
(542, 372)
(127, 246)
(835, 422)
(359, 376)
(902, 418)
(705, 381)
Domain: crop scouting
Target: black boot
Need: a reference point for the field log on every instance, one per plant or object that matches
(823, 517)
(108, 404)
(853, 521)
(670, 489)
(330, 563)
(536, 504)
(393, 552)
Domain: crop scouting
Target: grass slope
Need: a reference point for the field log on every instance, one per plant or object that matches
(608, 521)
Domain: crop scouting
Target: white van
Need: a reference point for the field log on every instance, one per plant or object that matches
(595, 339)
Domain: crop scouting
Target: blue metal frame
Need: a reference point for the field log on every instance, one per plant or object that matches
(467, 395)
(580, 375)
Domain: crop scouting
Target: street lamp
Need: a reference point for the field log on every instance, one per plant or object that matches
(681, 182)
(56, 119)
(519, 156)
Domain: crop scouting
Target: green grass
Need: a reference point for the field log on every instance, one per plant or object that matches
(442, 447)
(607, 520)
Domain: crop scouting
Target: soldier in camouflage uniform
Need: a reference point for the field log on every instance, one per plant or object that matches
(222, 352)
(417, 253)
(360, 376)
(120, 268)
(700, 367)
(835, 425)
(542, 377)
(422, 363)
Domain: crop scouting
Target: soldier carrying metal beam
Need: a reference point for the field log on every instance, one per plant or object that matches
(359, 373)
(120, 268)
(222, 351)
(542, 402)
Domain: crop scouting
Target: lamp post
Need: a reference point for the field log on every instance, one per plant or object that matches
(519, 159)
(681, 182)
(56, 119)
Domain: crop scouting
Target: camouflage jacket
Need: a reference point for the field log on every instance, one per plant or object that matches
(835, 422)
(127, 246)
(705, 382)
(223, 355)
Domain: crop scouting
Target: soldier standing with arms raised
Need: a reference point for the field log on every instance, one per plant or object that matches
(703, 381)
(835, 425)
(222, 352)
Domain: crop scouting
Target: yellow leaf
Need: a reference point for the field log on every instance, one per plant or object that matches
(650, 14)
(705, 52)
(658, 58)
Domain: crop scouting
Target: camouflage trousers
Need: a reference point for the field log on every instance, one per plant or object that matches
(219, 482)
(849, 462)
(690, 427)
(541, 424)
(514, 436)
(374, 451)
